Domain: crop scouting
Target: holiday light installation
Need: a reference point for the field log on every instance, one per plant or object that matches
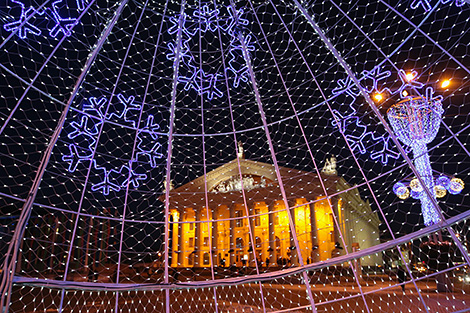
(84, 133)
(426, 4)
(356, 132)
(442, 185)
(415, 121)
(202, 83)
(377, 82)
(206, 20)
(30, 18)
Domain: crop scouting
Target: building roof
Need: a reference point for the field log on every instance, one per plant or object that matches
(260, 185)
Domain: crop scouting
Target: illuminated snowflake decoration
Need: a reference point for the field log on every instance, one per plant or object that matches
(30, 17)
(207, 20)
(357, 134)
(84, 133)
(426, 4)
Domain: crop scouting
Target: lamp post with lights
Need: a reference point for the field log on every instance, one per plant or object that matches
(415, 121)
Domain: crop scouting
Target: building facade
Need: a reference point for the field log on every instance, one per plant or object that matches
(238, 216)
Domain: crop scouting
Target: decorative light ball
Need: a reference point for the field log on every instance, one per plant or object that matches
(415, 185)
(415, 194)
(404, 195)
(443, 181)
(456, 186)
(440, 191)
(400, 189)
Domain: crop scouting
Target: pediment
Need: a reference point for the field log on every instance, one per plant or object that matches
(245, 182)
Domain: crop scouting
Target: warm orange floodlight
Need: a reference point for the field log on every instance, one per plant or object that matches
(409, 76)
(445, 83)
(378, 97)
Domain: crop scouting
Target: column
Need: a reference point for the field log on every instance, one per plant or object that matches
(181, 252)
(271, 234)
(315, 255)
(252, 239)
(294, 254)
(232, 235)
(174, 240)
(214, 238)
(337, 237)
(197, 237)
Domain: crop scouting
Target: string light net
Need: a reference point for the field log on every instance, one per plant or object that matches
(232, 156)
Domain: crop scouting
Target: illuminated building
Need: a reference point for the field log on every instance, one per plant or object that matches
(222, 226)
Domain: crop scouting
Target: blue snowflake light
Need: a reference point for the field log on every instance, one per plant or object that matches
(30, 17)
(206, 20)
(426, 4)
(374, 81)
(23, 26)
(63, 25)
(354, 130)
(84, 133)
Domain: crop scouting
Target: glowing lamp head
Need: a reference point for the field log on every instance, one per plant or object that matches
(443, 181)
(456, 186)
(415, 185)
(445, 83)
(401, 190)
(440, 191)
(378, 97)
(404, 195)
(410, 76)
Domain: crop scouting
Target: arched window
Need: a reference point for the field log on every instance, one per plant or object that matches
(205, 259)
(191, 259)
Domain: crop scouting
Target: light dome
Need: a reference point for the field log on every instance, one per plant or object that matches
(228, 156)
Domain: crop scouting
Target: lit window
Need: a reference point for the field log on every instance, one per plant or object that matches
(206, 259)
(257, 218)
(239, 220)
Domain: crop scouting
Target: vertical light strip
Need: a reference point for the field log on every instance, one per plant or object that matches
(116, 307)
(176, 65)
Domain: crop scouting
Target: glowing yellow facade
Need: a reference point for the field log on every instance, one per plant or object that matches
(247, 218)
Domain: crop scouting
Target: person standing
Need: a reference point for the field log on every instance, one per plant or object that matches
(401, 274)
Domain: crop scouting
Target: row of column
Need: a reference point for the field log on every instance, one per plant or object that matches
(214, 232)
